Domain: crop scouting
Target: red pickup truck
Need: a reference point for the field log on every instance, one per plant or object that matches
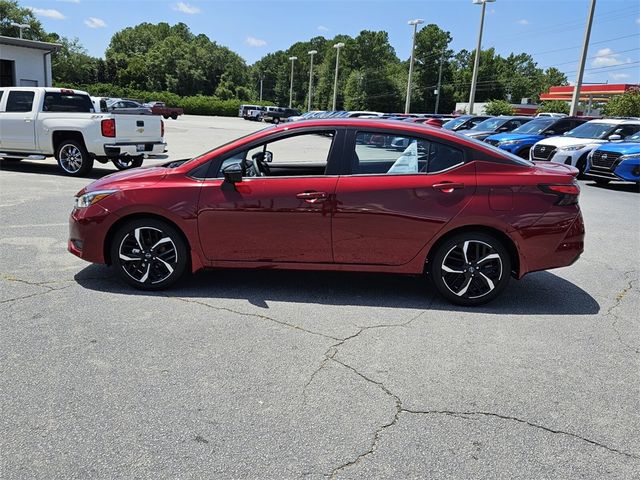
(160, 108)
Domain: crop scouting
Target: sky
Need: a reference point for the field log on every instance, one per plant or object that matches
(552, 31)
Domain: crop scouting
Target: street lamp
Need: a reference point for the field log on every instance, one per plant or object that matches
(293, 60)
(415, 24)
(21, 26)
(311, 53)
(337, 46)
(476, 61)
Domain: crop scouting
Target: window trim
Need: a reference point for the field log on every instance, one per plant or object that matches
(350, 145)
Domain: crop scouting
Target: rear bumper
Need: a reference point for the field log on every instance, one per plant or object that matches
(134, 149)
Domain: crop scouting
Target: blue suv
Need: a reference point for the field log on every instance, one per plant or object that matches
(520, 140)
(616, 161)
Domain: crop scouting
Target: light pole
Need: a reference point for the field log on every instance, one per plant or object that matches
(476, 61)
(21, 26)
(293, 60)
(337, 46)
(261, 79)
(439, 82)
(583, 58)
(311, 53)
(415, 23)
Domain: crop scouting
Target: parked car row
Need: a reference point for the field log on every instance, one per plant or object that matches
(39, 122)
(270, 114)
(128, 106)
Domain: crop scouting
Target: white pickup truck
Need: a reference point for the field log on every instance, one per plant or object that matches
(41, 122)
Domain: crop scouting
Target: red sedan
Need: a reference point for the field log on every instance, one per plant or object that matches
(317, 195)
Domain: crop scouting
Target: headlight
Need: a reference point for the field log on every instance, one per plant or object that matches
(89, 198)
(511, 142)
(573, 148)
(631, 156)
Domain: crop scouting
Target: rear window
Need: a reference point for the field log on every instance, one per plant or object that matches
(67, 102)
(20, 101)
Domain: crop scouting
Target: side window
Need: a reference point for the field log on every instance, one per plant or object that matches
(305, 154)
(20, 101)
(627, 130)
(562, 126)
(377, 153)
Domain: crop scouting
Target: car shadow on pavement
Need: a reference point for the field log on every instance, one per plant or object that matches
(617, 187)
(541, 293)
(41, 168)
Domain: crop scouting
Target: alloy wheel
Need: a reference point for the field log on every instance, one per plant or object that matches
(472, 269)
(148, 255)
(71, 158)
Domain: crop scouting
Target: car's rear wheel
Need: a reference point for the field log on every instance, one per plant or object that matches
(149, 254)
(174, 116)
(73, 158)
(470, 268)
(123, 163)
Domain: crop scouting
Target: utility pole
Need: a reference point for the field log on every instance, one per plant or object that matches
(261, 78)
(311, 53)
(583, 59)
(337, 46)
(476, 60)
(415, 23)
(293, 60)
(439, 82)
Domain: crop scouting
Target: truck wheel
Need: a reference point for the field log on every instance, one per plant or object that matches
(73, 158)
(174, 116)
(276, 121)
(123, 163)
(166, 117)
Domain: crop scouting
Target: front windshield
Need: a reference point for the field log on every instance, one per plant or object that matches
(490, 124)
(535, 127)
(591, 130)
(451, 124)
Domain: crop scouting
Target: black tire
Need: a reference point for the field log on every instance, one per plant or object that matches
(276, 121)
(471, 282)
(602, 181)
(524, 153)
(124, 163)
(166, 117)
(581, 165)
(174, 116)
(73, 158)
(142, 266)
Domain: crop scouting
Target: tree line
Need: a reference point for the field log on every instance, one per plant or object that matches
(164, 58)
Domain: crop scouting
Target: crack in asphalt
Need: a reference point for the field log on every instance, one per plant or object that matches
(24, 297)
(254, 315)
(616, 318)
(46, 285)
(464, 414)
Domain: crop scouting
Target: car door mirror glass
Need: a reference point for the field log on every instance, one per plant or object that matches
(268, 156)
(233, 173)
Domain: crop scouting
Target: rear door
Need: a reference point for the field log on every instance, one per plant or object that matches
(397, 195)
(17, 122)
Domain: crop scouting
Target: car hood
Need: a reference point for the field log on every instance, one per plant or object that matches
(503, 137)
(141, 177)
(625, 148)
(571, 141)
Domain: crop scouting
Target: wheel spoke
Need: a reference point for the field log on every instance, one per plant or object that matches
(465, 247)
(492, 256)
(136, 234)
(450, 270)
(167, 266)
(488, 280)
(464, 289)
(161, 241)
(127, 258)
(146, 274)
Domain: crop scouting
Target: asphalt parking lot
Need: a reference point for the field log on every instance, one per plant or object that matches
(264, 374)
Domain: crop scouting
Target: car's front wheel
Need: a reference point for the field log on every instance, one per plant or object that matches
(470, 268)
(149, 254)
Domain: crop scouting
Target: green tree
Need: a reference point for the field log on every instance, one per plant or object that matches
(499, 107)
(11, 12)
(625, 105)
(71, 64)
(431, 48)
(554, 106)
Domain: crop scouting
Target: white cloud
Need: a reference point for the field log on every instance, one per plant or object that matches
(255, 42)
(607, 58)
(186, 8)
(638, 20)
(47, 12)
(70, 1)
(619, 76)
(524, 21)
(322, 28)
(93, 22)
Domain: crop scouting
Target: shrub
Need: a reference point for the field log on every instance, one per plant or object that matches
(625, 105)
(554, 106)
(499, 107)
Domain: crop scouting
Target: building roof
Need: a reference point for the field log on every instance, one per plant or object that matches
(21, 42)
(597, 92)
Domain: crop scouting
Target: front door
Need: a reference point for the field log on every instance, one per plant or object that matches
(397, 197)
(18, 122)
(280, 211)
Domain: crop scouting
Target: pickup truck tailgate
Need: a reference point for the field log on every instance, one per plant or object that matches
(138, 128)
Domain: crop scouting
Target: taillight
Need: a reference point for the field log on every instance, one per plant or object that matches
(161, 128)
(567, 193)
(108, 127)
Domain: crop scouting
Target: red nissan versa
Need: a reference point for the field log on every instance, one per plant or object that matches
(320, 195)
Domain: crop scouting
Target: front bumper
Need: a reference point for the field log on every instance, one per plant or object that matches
(626, 170)
(134, 149)
(88, 228)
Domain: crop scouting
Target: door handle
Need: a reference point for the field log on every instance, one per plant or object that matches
(312, 197)
(448, 187)
(27, 120)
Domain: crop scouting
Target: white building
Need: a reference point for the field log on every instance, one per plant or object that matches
(25, 63)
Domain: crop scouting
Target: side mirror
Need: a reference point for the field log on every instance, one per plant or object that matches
(233, 173)
(503, 129)
(615, 138)
(550, 132)
(268, 156)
